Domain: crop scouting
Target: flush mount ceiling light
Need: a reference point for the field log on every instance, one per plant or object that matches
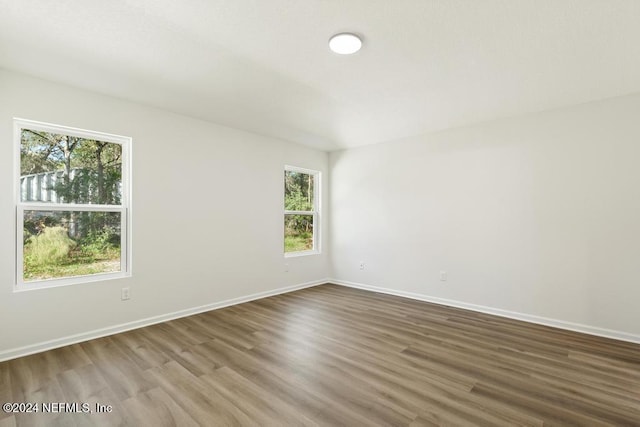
(345, 43)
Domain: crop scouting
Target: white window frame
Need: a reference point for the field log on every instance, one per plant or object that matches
(315, 213)
(124, 208)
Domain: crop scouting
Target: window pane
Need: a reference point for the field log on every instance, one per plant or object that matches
(60, 168)
(298, 191)
(70, 243)
(298, 233)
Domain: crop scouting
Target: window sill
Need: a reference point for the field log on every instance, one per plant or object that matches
(301, 253)
(67, 281)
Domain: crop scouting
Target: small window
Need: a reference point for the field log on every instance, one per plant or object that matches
(73, 221)
(301, 211)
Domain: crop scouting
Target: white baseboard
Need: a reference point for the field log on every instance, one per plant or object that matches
(98, 333)
(561, 324)
(123, 327)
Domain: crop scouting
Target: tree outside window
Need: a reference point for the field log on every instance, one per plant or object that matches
(72, 206)
(300, 210)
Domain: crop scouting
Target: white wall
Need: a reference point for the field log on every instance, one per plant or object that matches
(538, 215)
(191, 247)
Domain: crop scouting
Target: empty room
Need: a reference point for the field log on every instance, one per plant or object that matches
(320, 213)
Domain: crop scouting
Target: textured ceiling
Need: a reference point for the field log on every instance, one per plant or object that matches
(264, 65)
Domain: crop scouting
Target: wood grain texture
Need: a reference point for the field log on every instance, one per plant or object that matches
(331, 355)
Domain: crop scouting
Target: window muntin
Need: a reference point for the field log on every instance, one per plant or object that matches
(301, 211)
(72, 205)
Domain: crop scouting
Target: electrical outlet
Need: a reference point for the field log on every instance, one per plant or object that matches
(361, 265)
(125, 294)
(443, 276)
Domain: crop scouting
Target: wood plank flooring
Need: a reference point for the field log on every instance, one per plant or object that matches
(331, 355)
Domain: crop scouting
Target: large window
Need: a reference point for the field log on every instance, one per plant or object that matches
(73, 219)
(301, 211)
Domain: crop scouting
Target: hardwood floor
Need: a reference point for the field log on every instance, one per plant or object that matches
(331, 355)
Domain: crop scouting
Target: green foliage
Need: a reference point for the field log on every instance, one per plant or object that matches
(300, 242)
(51, 253)
(39, 152)
(51, 246)
(26, 235)
(95, 174)
(298, 191)
(90, 170)
(298, 196)
(101, 242)
(34, 223)
(72, 242)
(298, 233)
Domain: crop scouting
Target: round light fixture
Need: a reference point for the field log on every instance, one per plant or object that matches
(345, 43)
